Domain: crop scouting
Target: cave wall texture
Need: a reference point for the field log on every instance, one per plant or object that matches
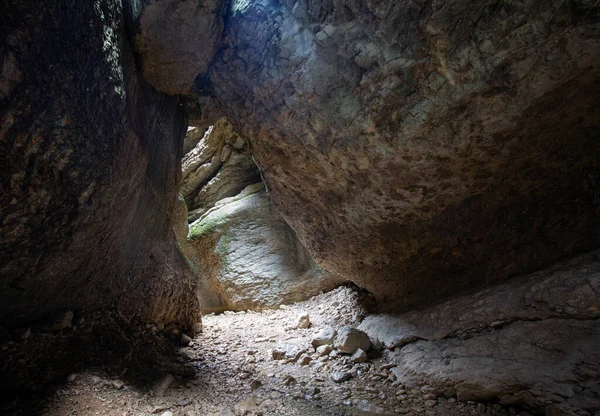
(418, 149)
(90, 157)
(421, 148)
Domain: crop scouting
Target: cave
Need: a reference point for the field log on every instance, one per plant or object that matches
(300, 207)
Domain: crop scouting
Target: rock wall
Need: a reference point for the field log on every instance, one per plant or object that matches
(249, 258)
(219, 166)
(422, 148)
(532, 341)
(90, 157)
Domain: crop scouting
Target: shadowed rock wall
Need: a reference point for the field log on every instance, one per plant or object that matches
(421, 148)
(90, 157)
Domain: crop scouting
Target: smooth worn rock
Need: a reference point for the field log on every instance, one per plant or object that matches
(220, 165)
(324, 337)
(324, 349)
(176, 40)
(290, 352)
(250, 258)
(350, 339)
(550, 331)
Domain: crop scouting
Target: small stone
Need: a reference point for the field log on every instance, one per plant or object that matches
(324, 349)
(71, 378)
(359, 356)
(305, 360)
(197, 327)
(23, 333)
(162, 384)
(289, 380)
(63, 321)
(349, 339)
(167, 413)
(430, 403)
(303, 321)
(340, 376)
(185, 340)
(248, 406)
(324, 337)
(117, 384)
(256, 383)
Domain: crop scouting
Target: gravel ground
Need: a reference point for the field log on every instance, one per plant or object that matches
(237, 374)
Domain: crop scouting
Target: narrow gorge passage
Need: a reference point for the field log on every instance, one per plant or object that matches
(417, 180)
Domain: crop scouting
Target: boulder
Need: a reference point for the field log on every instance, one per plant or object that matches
(422, 151)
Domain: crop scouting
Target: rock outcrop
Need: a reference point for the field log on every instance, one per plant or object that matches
(426, 148)
(532, 341)
(220, 165)
(90, 157)
(249, 258)
(177, 40)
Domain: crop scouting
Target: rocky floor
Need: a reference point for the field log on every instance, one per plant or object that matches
(251, 363)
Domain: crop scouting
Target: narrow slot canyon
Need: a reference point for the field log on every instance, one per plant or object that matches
(299, 207)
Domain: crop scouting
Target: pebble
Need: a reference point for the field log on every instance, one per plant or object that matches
(185, 340)
(117, 384)
(340, 376)
(324, 337)
(303, 320)
(71, 378)
(359, 356)
(324, 349)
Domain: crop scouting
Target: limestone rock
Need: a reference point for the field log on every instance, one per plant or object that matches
(303, 320)
(91, 162)
(219, 166)
(422, 151)
(290, 352)
(324, 337)
(177, 40)
(324, 349)
(359, 356)
(350, 339)
(457, 346)
(250, 257)
(340, 376)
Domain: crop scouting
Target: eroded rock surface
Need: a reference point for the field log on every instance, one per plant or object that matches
(250, 258)
(220, 165)
(90, 157)
(177, 40)
(422, 149)
(533, 340)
